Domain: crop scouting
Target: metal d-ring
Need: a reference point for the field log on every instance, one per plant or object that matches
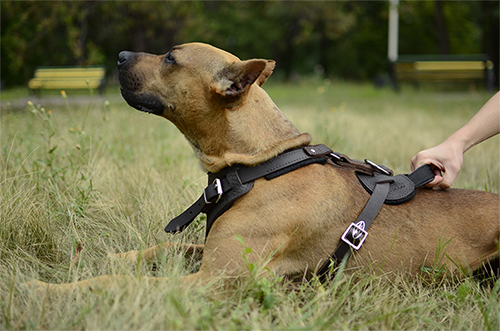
(376, 166)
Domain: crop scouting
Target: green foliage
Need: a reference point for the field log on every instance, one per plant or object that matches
(57, 166)
(331, 38)
(436, 273)
(419, 33)
(260, 283)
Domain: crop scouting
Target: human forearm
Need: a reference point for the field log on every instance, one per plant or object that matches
(483, 125)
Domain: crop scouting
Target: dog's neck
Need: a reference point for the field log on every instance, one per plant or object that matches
(255, 132)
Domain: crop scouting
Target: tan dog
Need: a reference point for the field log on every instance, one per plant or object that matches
(294, 222)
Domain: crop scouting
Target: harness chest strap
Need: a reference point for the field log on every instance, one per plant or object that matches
(355, 235)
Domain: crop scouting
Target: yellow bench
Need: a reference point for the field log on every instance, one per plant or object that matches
(428, 70)
(68, 78)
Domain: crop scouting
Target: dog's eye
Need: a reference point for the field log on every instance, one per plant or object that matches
(169, 58)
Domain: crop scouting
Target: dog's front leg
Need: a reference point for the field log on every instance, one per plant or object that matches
(154, 253)
(106, 283)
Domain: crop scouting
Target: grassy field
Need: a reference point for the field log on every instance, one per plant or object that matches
(104, 177)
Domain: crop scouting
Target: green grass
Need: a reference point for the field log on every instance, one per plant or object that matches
(110, 178)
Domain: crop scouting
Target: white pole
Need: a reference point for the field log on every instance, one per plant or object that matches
(392, 52)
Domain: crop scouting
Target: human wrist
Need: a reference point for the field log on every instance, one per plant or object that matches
(459, 143)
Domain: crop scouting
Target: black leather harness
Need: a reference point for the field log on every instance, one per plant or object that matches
(233, 182)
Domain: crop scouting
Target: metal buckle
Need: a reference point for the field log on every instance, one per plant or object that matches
(335, 156)
(358, 232)
(376, 166)
(218, 186)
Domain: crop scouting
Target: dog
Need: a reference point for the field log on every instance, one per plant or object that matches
(294, 222)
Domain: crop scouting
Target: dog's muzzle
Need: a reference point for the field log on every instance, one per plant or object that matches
(131, 86)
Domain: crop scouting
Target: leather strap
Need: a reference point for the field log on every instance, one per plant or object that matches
(403, 188)
(282, 161)
(237, 191)
(355, 235)
(366, 167)
(179, 223)
(422, 175)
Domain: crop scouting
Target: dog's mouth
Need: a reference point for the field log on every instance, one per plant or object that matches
(130, 86)
(146, 103)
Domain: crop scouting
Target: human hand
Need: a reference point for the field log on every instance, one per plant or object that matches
(446, 160)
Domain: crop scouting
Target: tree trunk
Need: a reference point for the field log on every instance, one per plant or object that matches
(444, 42)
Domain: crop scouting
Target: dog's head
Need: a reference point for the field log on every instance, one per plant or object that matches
(213, 98)
(190, 77)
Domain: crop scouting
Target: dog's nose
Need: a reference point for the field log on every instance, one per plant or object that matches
(124, 57)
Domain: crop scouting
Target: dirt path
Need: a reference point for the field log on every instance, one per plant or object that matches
(58, 101)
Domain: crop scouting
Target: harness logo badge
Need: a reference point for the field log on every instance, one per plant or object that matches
(357, 230)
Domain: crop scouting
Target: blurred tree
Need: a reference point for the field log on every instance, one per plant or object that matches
(442, 32)
(330, 38)
(299, 35)
(362, 52)
(140, 26)
(45, 33)
(440, 27)
(489, 20)
(323, 27)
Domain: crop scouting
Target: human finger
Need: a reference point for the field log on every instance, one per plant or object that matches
(448, 180)
(438, 178)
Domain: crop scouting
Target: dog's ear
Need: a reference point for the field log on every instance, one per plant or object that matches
(264, 75)
(238, 78)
